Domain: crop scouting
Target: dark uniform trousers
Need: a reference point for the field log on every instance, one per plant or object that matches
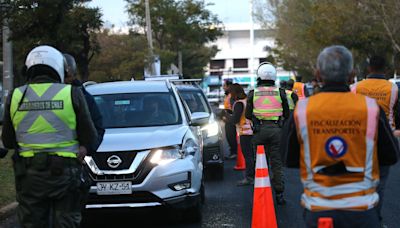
(269, 135)
(48, 191)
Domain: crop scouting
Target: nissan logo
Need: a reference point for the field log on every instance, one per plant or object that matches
(114, 161)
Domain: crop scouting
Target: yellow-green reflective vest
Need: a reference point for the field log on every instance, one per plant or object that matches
(45, 120)
(267, 103)
(290, 100)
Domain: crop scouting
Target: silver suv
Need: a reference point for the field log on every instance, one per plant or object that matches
(152, 150)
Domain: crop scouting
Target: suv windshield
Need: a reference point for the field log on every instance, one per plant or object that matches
(138, 110)
(195, 101)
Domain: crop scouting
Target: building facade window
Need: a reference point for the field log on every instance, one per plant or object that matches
(240, 63)
(217, 64)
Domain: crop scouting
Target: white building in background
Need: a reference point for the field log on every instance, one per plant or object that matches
(240, 55)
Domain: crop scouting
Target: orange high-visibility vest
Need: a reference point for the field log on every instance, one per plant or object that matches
(244, 126)
(338, 129)
(298, 89)
(384, 92)
(227, 102)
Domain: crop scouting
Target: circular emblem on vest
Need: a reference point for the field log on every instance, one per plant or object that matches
(336, 147)
(114, 161)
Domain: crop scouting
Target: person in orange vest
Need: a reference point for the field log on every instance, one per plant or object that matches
(386, 95)
(244, 129)
(230, 129)
(300, 89)
(339, 140)
(267, 107)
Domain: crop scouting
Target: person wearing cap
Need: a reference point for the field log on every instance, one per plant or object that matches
(339, 140)
(48, 124)
(267, 107)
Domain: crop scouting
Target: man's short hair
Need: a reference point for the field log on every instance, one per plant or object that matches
(290, 84)
(377, 63)
(335, 64)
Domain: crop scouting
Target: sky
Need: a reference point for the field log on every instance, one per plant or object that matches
(228, 11)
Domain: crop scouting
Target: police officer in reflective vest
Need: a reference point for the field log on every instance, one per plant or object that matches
(339, 139)
(267, 107)
(386, 95)
(291, 96)
(49, 126)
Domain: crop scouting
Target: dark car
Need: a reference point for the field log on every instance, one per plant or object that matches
(213, 157)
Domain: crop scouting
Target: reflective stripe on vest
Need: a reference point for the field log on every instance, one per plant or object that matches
(332, 129)
(45, 121)
(267, 103)
(290, 100)
(298, 89)
(384, 92)
(244, 126)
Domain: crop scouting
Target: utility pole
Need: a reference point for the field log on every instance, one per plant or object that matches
(252, 71)
(8, 76)
(150, 39)
(180, 65)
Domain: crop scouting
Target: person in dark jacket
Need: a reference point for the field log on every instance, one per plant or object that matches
(95, 114)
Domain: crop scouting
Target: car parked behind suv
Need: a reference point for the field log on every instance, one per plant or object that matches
(193, 95)
(151, 154)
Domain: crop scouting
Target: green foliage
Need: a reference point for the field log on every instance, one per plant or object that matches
(68, 25)
(7, 187)
(121, 57)
(305, 27)
(183, 25)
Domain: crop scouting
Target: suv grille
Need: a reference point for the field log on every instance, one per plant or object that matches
(127, 158)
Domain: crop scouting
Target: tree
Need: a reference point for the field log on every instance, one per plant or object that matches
(121, 57)
(184, 26)
(304, 27)
(68, 25)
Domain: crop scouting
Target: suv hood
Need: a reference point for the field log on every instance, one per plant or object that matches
(142, 138)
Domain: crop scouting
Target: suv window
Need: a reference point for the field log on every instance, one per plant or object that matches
(195, 101)
(138, 109)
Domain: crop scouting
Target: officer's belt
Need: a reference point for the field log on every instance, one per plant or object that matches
(266, 122)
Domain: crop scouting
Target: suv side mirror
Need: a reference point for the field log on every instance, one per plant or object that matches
(199, 118)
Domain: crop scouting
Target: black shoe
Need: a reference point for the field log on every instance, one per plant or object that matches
(280, 200)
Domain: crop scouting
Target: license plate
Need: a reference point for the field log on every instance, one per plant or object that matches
(114, 188)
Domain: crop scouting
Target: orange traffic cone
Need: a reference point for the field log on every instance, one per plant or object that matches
(325, 222)
(263, 204)
(240, 162)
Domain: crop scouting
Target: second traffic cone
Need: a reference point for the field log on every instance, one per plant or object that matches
(240, 162)
(325, 222)
(263, 204)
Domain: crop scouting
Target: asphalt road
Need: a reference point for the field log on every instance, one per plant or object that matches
(230, 206)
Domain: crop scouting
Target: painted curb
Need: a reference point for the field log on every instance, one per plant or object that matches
(8, 210)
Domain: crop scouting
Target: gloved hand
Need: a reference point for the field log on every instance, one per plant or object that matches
(3, 152)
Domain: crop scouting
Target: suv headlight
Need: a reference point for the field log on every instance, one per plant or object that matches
(212, 129)
(166, 155)
(190, 147)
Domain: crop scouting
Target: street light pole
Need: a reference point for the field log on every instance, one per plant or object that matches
(150, 38)
(8, 76)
